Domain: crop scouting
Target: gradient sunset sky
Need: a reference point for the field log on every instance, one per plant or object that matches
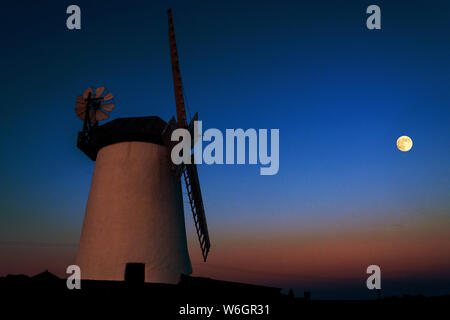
(344, 197)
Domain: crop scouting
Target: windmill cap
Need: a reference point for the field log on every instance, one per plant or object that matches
(144, 129)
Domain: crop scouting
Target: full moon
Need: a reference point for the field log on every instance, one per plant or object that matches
(404, 143)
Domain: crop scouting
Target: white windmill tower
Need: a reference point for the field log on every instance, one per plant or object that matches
(134, 224)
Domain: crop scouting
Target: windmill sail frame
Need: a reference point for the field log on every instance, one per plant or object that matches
(189, 171)
(198, 211)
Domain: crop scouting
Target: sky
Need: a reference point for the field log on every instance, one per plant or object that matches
(344, 197)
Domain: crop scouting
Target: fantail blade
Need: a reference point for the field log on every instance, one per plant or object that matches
(108, 107)
(99, 91)
(108, 96)
(101, 115)
(86, 93)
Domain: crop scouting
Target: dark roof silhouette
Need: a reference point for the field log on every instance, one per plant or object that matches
(105, 297)
(16, 277)
(145, 129)
(46, 275)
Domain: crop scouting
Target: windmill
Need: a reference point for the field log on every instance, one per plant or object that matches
(189, 171)
(134, 224)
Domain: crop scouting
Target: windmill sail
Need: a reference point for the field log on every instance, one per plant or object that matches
(189, 170)
(176, 75)
(196, 202)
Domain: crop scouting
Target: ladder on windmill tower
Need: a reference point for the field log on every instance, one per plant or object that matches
(189, 171)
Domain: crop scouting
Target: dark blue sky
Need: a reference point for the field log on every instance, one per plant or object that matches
(340, 94)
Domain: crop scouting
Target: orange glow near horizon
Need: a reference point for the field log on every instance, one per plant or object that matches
(323, 256)
(418, 250)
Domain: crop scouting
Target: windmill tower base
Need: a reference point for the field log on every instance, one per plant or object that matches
(134, 213)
